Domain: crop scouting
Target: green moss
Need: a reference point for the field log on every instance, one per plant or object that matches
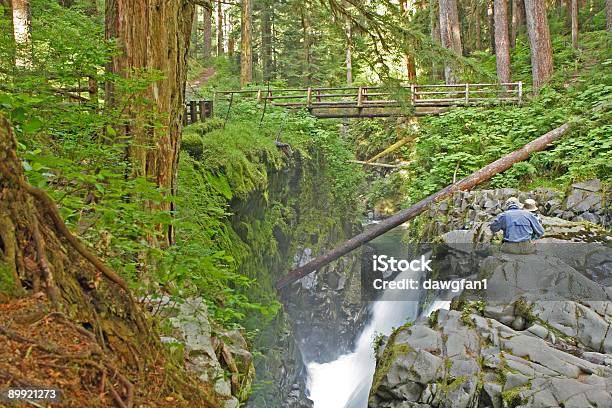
(525, 310)
(432, 320)
(446, 387)
(390, 354)
(8, 286)
(512, 398)
(254, 207)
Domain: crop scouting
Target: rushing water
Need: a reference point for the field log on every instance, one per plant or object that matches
(345, 382)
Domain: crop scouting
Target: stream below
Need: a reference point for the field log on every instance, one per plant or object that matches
(345, 382)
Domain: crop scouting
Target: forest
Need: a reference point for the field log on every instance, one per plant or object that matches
(192, 193)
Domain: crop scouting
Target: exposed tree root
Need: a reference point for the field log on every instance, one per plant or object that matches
(120, 362)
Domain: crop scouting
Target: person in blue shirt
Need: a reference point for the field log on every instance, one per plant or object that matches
(519, 226)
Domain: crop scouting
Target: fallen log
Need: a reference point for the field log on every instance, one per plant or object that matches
(401, 217)
(365, 163)
(391, 148)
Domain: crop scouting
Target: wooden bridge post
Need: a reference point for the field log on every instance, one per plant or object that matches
(309, 98)
(412, 95)
(520, 92)
(202, 104)
(360, 100)
(318, 95)
(467, 94)
(193, 115)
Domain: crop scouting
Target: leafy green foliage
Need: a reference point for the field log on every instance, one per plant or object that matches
(455, 144)
(239, 199)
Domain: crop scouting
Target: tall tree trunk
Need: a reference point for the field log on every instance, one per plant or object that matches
(266, 40)
(491, 16)
(434, 19)
(220, 39)
(609, 15)
(195, 28)
(246, 43)
(539, 40)
(518, 20)
(574, 14)
(229, 30)
(502, 47)
(478, 28)
(22, 31)
(152, 36)
(450, 33)
(349, 53)
(207, 31)
(409, 62)
(306, 34)
(273, 47)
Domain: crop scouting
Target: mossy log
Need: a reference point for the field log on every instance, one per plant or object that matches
(476, 178)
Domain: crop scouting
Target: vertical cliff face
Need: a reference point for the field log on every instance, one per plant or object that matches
(278, 227)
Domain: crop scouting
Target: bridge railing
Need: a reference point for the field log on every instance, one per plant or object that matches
(380, 97)
(197, 111)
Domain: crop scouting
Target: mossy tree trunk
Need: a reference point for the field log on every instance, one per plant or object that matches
(207, 10)
(152, 35)
(38, 253)
(409, 61)
(450, 33)
(266, 39)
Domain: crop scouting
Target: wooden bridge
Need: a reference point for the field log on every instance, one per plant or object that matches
(372, 101)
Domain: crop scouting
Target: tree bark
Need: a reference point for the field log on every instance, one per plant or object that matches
(491, 17)
(266, 40)
(434, 18)
(401, 217)
(152, 36)
(207, 31)
(246, 43)
(220, 39)
(307, 44)
(518, 20)
(609, 15)
(409, 61)
(195, 33)
(502, 46)
(450, 34)
(539, 40)
(22, 32)
(574, 14)
(349, 54)
(229, 30)
(478, 28)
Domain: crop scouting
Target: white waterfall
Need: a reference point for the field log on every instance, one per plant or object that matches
(345, 382)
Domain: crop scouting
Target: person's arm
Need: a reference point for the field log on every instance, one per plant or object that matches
(538, 229)
(496, 224)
